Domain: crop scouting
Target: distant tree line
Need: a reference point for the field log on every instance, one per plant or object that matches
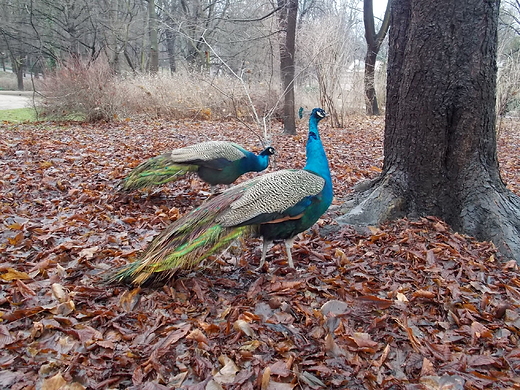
(311, 43)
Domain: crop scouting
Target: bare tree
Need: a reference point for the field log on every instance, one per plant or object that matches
(168, 8)
(374, 41)
(330, 51)
(153, 34)
(440, 155)
(511, 14)
(508, 83)
(13, 32)
(288, 16)
(198, 21)
(52, 32)
(65, 28)
(119, 26)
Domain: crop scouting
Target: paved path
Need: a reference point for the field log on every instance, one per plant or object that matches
(14, 99)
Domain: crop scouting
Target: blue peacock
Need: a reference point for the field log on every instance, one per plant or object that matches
(275, 206)
(215, 162)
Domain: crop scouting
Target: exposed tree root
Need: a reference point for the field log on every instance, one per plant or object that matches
(374, 202)
(494, 216)
(486, 213)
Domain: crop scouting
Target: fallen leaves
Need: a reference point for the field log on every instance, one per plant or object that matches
(408, 305)
(13, 274)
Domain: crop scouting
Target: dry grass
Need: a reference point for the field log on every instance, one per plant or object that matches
(8, 81)
(196, 96)
(93, 92)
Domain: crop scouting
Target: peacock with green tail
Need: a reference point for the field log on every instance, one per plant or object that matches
(215, 162)
(275, 206)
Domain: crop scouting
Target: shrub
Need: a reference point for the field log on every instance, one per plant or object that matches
(93, 92)
(81, 89)
(508, 85)
(8, 81)
(196, 96)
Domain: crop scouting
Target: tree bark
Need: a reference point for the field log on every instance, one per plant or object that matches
(374, 42)
(440, 155)
(17, 64)
(154, 42)
(288, 18)
(171, 36)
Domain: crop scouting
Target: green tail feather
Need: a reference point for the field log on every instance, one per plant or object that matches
(154, 172)
(186, 242)
(158, 260)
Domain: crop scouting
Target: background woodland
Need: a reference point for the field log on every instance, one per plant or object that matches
(111, 59)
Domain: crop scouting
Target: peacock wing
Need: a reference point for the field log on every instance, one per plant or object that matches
(213, 154)
(209, 212)
(281, 194)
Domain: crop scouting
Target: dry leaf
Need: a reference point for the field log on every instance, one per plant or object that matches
(54, 383)
(273, 385)
(244, 327)
(59, 293)
(465, 299)
(401, 297)
(13, 274)
(427, 368)
(89, 253)
(331, 347)
(372, 300)
(129, 299)
(213, 385)
(5, 336)
(197, 335)
(383, 356)
(227, 373)
(266, 378)
(334, 308)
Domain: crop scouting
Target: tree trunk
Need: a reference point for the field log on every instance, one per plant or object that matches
(288, 17)
(374, 42)
(440, 155)
(372, 107)
(154, 43)
(171, 36)
(17, 64)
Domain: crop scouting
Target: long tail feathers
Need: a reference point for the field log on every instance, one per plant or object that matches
(159, 261)
(185, 243)
(154, 172)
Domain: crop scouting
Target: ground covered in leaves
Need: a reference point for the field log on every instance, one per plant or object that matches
(409, 305)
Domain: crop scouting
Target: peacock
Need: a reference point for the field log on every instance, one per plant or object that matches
(215, 162)
(275, 206)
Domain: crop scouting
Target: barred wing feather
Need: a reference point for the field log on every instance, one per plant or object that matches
(279, 193)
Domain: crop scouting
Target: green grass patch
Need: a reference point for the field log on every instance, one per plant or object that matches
(17, 115)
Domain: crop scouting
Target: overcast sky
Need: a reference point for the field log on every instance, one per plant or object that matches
(379, 8)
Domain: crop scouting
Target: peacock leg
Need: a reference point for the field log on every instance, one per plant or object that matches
(264, 253)
(288, 246)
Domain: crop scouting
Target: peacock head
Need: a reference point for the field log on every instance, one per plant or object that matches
(269, 151)
(319, 113)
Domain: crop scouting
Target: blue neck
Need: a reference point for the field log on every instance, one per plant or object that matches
(260, 162)
(316, 158)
